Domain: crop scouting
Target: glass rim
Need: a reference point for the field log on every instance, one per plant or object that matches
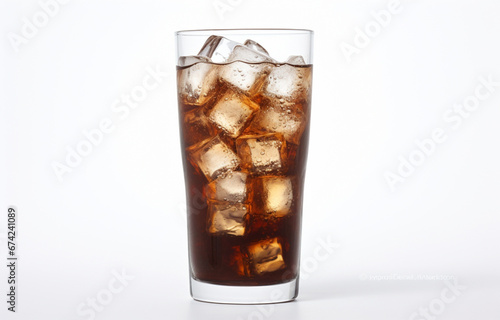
(245, 31)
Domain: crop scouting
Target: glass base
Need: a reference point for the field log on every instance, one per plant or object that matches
(215, 293)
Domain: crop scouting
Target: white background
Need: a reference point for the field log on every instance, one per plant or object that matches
(121, 207)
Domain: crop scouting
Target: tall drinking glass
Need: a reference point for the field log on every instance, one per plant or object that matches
(244, 108)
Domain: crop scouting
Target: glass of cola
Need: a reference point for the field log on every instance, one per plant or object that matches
(244, 100)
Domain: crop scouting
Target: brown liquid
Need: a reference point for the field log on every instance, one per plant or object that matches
(219, 254)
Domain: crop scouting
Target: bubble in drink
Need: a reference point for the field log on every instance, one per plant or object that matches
(213, 157)
(231, 187)
(196, 84)
(278, 116)
(227, 218)
(196, 127)
(245, 70)
(287, 81)
(232, 113)
(262, 154)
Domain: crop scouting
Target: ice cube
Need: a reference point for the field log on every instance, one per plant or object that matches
(213, 157)
(296, 60)
(262, 153)
(256, 46)
(190, 60)
(229, 187)
(245, 70)
(246, 54)
(275, 195)
(270, 266)
(281, 117)
(196, 127)
(227, 218)
(217, 48)
(232, 113)
(266, 256)
(196, 84)
(288, 82)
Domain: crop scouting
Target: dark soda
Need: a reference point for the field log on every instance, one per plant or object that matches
(244, 137)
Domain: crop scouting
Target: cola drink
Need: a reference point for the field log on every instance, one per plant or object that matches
(244, 125)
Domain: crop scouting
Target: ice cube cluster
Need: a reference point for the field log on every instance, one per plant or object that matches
(241, 113)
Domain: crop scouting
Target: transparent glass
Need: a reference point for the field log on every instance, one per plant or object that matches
(244, 100)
